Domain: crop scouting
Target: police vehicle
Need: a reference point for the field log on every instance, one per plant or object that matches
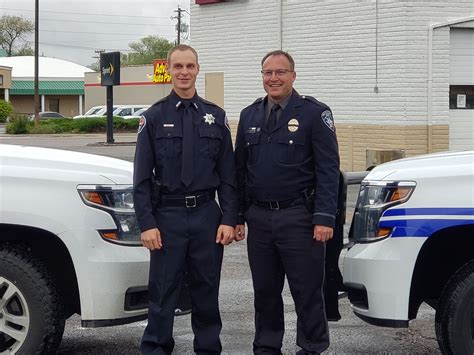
(69, 243)
(412, 240)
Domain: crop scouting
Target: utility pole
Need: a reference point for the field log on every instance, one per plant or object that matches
(36, 83)
(178, 26)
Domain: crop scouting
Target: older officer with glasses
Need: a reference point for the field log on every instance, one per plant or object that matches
(288, 174)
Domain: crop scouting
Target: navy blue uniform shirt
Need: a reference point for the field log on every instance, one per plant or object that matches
(159, 149)
(300, 153)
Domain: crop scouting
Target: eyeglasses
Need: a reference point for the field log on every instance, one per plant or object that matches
(279, 72)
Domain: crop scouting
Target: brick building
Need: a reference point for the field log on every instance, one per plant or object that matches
(398, 75)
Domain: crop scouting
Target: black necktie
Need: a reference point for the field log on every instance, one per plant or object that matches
(187, 158)
(272, 118)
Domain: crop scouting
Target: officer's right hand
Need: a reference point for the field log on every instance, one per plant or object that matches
(239, 232)
(151, 239)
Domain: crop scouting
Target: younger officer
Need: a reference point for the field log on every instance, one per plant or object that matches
(288, 172)
(184, 145)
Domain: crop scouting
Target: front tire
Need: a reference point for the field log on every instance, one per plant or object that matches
(454, 321)
(31, 317)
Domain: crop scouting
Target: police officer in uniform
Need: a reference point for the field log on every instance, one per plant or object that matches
(288, 173)
(184, 150)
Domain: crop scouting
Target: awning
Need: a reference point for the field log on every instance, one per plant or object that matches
(26, 87)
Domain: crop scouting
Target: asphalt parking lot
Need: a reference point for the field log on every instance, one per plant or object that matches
(348, 336)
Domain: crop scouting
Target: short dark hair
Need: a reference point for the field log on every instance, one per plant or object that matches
(181, 47)
(283, 53)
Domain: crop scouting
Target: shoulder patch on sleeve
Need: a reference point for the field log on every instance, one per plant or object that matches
(326, 116)
(141, 124)
(226, 122)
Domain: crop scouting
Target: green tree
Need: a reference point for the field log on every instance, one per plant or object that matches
(146, 50)
(14, 29)
(6, 109)
(25, 50)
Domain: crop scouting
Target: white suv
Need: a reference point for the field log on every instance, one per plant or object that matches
(413, 242)
(68, 244)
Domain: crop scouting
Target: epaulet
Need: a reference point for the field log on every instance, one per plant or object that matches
(313, 100)
(163, 99)
(260, 99)
(208, 102)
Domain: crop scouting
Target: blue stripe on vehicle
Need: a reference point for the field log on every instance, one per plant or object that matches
(421, 227)
(448, 211)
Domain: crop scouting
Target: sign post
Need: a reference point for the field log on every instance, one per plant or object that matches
(110, 76)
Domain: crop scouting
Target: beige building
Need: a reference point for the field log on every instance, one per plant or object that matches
(61, 84)
(136, 87)
(139, 85)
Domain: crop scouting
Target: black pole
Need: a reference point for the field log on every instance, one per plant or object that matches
(110, 121)
(36, 81)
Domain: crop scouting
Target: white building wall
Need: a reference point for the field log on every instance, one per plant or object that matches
(334, 46)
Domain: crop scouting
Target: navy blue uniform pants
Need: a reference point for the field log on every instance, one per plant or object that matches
(280, 242)
(188, 236)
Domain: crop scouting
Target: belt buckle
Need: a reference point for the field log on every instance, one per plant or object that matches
(274, 205)
(190, 201)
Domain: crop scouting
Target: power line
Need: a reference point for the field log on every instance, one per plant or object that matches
(105, 22)
(88, 48)
(84, 13)
(99, 33)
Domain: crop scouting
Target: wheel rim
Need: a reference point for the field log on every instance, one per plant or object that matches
(14, 317)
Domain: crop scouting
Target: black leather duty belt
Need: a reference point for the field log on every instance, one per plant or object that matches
(189, 201)
(278, 205)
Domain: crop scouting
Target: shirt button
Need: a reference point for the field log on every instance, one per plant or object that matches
(169, 134)
(291, 142)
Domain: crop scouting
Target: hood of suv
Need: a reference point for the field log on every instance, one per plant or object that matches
(73, 166)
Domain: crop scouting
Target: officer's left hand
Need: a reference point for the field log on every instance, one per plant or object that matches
(322, 233)
(225, 234)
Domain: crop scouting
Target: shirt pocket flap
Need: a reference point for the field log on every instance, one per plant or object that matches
(210, 132)
(291, 140)
(168, 133)
(252, 138)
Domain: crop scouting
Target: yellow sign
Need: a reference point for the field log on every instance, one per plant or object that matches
(160, 75)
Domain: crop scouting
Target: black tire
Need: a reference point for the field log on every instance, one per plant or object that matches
(31, 317)
(454, 321)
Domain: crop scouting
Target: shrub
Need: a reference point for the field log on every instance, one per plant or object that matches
(20, 125)
(67, 125)
(6, 109)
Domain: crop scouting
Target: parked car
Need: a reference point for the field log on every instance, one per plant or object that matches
(69, 243)
(91, 112)
(127, 110)
(47, 115)
(413, 242)
(100, 111)
(137, 114)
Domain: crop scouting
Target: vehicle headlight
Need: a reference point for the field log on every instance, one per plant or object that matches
(374, 198)
(118, 201)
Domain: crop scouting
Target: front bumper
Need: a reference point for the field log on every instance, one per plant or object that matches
(108, 274)
(378, 276)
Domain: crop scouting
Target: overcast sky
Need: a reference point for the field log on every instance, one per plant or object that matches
(73, 29)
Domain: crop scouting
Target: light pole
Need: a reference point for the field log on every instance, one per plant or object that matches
(36, 93)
